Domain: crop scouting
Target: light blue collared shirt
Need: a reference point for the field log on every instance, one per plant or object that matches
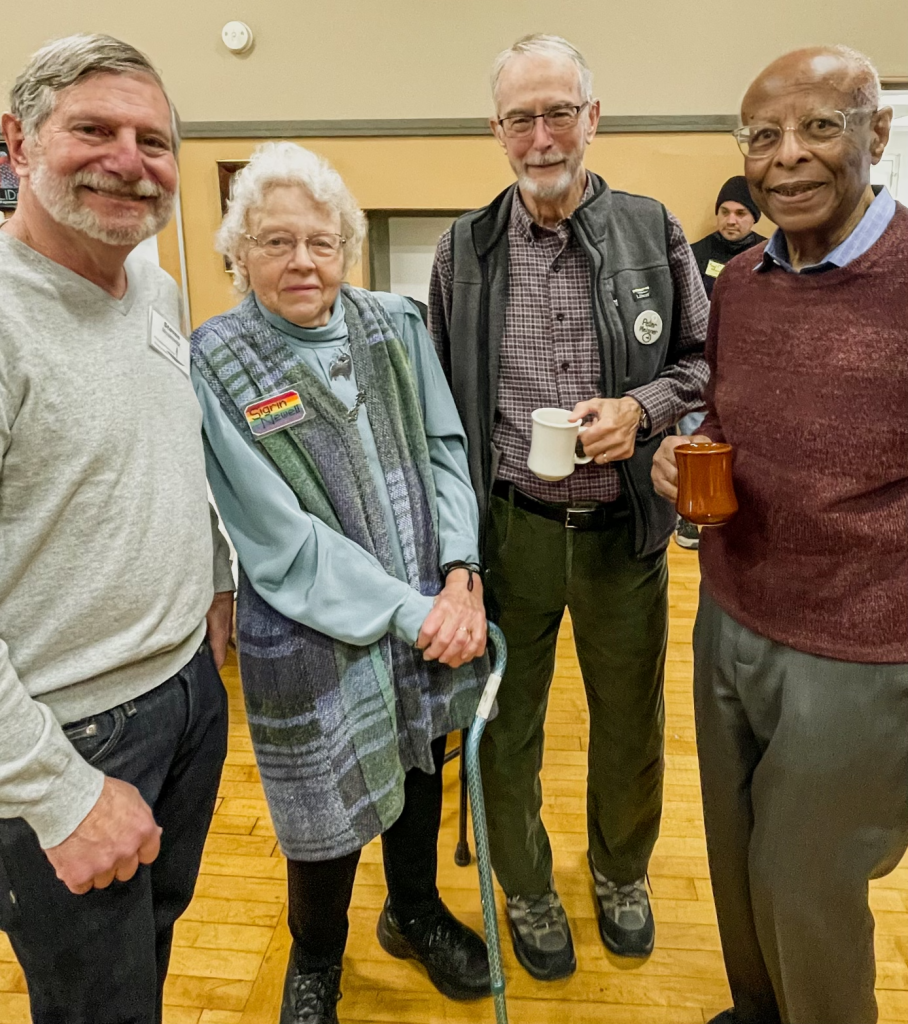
(868, 232)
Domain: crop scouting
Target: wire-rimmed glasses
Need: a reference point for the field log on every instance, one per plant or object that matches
(324, 245)
(814, 129)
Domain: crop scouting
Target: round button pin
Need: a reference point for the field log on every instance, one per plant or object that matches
(648, 327)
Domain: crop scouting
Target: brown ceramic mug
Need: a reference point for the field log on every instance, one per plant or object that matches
(706, 495)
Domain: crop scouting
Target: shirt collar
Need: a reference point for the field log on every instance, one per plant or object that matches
(868, 232)
(521, 219)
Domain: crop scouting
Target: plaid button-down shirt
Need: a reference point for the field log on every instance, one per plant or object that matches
(549, 353)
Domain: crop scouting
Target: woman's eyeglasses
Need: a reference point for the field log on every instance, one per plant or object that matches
(277, 244)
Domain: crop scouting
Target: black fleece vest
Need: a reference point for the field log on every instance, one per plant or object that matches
(625, 238)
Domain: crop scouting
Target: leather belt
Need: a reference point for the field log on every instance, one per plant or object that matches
(585, 516)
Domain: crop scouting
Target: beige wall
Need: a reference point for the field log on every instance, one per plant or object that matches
(429, 58)
(684, 171)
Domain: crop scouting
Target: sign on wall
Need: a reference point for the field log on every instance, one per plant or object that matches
(9, 182)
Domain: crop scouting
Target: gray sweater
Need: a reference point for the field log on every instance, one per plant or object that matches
(105, 529)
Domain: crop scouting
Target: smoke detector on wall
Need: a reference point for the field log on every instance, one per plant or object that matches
(237, 36)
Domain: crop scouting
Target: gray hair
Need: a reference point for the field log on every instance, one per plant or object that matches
(540, 45)
(285, 163)
(64, 62)
(867, 88)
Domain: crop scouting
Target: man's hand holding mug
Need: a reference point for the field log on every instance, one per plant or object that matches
(696, 472)
(665, 468)
(612, 435)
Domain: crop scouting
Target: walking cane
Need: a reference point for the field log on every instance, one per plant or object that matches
(480, 833)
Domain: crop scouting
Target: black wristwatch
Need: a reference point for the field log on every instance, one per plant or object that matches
(471, 567)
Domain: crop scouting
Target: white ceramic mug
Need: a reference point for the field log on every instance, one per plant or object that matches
(553, 448)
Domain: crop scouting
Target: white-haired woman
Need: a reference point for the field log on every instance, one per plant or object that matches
(338, 463)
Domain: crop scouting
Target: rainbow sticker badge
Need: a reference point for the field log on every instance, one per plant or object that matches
(274, 412)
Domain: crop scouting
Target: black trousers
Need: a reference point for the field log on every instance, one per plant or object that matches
(320, 891)
(101, 958)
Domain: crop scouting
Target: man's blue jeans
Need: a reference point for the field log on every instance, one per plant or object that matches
(101, 958)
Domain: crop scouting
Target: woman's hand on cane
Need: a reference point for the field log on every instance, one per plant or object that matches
(455, 630)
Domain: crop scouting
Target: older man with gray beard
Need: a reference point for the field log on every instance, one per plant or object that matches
(564, 293)
(114, 715)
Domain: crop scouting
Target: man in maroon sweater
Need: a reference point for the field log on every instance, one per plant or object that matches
(801, 642)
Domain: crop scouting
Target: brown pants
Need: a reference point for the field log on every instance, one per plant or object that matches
(804, 769)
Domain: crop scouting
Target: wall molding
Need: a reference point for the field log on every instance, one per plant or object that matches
(438, 126)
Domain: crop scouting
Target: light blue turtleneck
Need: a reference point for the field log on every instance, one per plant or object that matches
(300, 566)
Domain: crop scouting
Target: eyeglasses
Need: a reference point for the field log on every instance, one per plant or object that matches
(558, 119)
(280, 244)
(815, 129)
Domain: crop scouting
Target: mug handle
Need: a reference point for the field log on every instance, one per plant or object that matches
(581, 460)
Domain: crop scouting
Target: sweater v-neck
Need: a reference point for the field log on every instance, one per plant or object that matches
(837, 276)
(808, 386)
(69, 279)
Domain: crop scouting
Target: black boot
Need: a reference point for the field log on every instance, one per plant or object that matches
(310, 998)
(454, 956)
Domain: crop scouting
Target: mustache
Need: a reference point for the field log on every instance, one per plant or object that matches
(141, 189)
(545, 160)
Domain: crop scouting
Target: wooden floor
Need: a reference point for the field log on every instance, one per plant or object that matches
(231, 946)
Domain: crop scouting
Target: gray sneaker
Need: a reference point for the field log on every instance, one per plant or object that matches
(687, 535)
(541, 935)
(625, 916)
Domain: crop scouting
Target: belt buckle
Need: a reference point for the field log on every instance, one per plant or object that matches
(569, 524)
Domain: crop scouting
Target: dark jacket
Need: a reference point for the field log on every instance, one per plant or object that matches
(626, 239)
(714, 251)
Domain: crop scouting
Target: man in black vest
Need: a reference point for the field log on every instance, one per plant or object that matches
(565, 294)
(736, 214)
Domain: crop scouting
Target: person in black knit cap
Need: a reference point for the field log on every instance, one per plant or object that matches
(736, 214)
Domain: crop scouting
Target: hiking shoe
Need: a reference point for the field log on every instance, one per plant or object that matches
(625, 916)
(541, 935)
(687, 535)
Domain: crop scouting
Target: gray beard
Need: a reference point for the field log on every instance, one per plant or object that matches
(60, 198)
(551, 189)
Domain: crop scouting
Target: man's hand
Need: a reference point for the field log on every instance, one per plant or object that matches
(117, 835)
(613, 434)
(220, 626)
(665, 470)
(455, 630)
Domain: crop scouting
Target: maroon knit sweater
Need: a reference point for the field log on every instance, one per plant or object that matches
(810, 384)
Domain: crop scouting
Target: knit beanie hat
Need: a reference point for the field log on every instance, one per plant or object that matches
(737, 191)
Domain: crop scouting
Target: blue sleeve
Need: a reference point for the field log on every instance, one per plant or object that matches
(295, 562)
(458, 514)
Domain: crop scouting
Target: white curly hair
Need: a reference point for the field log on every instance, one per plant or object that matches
(286, 163)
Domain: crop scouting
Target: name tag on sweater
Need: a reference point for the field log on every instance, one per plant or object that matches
(168, 341)
(274, 412)
(714, 268)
